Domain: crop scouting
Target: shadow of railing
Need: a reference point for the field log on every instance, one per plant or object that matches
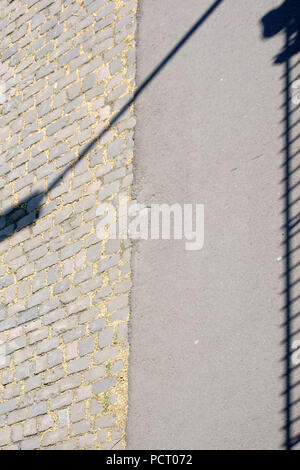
(286, 20)
(27, 211)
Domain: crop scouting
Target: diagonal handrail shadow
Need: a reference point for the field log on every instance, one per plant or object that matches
(286, 19)
(28, 210)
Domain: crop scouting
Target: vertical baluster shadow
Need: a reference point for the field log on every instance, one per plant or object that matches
(286, 20)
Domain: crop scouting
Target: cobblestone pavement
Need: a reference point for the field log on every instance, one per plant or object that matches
(67, 67)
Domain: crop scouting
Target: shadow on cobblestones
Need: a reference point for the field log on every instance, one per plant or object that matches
(286, 20)
(31, 208)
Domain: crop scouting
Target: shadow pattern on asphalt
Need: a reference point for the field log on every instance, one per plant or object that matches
(286, 20)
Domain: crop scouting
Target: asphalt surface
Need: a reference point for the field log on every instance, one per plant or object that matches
(205, 325)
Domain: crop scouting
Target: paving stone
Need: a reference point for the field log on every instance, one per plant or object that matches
(38, 409)
(79, 365)
(86, 346)
(81, 427)
(31, 444)
(63, 418)
(61, 401)
(77, 412)
(104, 385)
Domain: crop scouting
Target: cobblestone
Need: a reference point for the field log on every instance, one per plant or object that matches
(67, 67)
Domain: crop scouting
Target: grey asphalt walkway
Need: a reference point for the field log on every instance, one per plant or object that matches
(205, 326)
